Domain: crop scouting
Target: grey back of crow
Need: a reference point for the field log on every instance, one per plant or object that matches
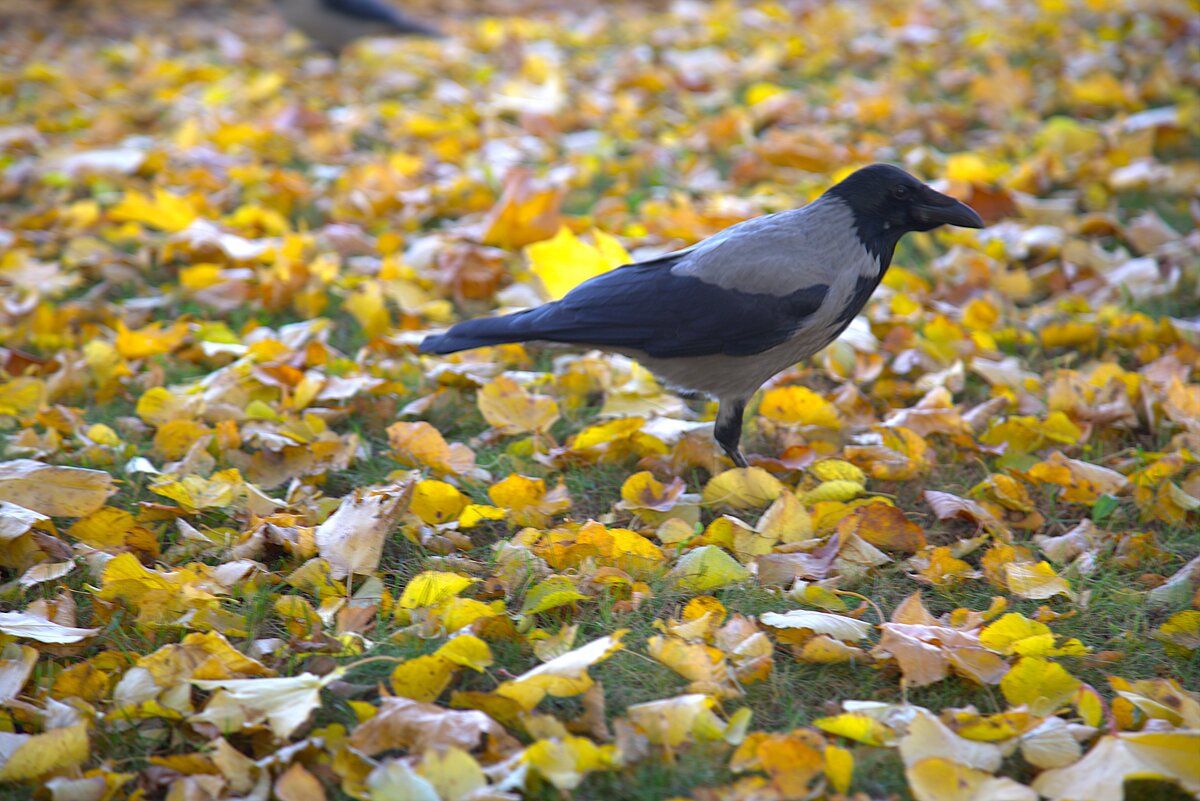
(724, 315)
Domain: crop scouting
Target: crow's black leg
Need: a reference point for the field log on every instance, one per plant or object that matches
(728, 430)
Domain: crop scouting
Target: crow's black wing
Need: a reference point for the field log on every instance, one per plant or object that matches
(381, 12)
(648, 308)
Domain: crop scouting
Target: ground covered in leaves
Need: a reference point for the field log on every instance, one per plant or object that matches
(251, 542)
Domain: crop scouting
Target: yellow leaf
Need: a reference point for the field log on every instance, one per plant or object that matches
(1082, 482)
(422, 445)
(467, 650)
(792, 760)
(763, 90)
(432, 588)
(1098, 89)
(53, 490)
(510, 409)
(938, 779)
(945, 570)
(615, 440)
(104, 528)
(475, 513)
(166, 212)
(825, 650)
(366, 304)
(458, 613)
(453, 773)
(152, 340)
(1041, 685)
(839, 767)
(1034, 581)
(195, 493)
(22, 396)
(643, 491)
(564, 261)
(56, 750)
(707, 568)
(1014, 632)
(553, 592)
(836, 490)
(786, 520)
(437, 502)
(528, 501)
(793, 405)
(859, 727)
(626, 549)
(395, 779)
(1161, 699)
(422, 678)
(742, 488)
(526, 212)
(1180, 634)
(158, 405)
(970, 168)
(837, 470)
(175, 437)
(703, 666)
(567, 761)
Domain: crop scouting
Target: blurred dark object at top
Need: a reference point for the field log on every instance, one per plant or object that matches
(333, 24)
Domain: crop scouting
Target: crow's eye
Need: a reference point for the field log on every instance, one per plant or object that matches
(900, 192)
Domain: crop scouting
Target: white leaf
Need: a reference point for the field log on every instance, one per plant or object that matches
(839, 626)
(31, 627)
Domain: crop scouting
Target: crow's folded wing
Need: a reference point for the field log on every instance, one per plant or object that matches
(378, 11)
(649, 308)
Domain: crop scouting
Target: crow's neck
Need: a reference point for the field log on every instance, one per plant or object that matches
(878, 237)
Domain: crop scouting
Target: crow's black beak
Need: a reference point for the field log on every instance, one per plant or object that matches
(936, 209)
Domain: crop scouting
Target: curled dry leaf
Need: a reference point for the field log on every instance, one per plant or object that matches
(351, 539)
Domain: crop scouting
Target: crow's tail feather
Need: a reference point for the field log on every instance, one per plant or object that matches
(519, 327)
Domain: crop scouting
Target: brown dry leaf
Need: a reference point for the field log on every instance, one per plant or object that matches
(351, 539)
(947, 507)
(297, 784)
(926, 654)
(884, 526)
(417, 727)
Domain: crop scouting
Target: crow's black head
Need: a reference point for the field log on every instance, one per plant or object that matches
(888, 202)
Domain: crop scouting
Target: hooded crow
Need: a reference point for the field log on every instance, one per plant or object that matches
(724, 315)
(333, 24)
